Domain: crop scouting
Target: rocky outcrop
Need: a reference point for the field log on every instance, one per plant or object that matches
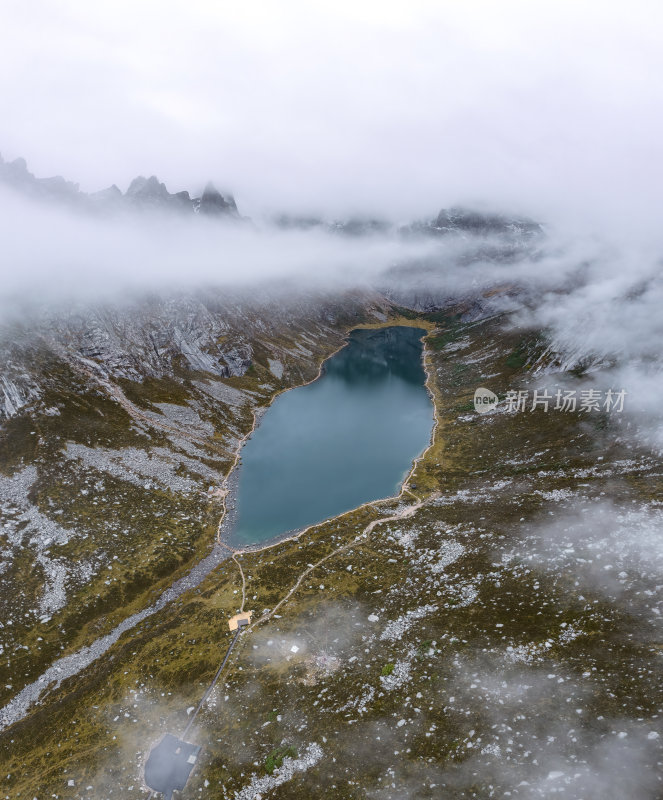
(458, 221)
(107, 198)
(213, 203)
(150, 193)
(476, 223)
(15, 395)
(15, 174)
(154, 338)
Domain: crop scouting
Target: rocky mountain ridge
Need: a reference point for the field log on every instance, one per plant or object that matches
(143, 194)
(150, 194)
(456, 221)
(211, 332)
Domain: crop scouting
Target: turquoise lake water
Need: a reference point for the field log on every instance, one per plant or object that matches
(347, 438)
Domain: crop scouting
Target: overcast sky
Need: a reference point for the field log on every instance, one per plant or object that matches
(400, 108)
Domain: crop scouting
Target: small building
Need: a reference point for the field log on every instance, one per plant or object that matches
(169, 765)
(240, 620)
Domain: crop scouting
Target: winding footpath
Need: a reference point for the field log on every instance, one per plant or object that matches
(407, 511)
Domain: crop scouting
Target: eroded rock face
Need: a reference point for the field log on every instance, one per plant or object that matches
(484, 224)
(180, 335)
(15, 394)
(467, 222)
(154, 339)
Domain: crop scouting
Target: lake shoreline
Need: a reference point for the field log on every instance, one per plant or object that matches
(231, 483)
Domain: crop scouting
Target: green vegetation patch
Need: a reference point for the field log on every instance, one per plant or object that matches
(275, 759)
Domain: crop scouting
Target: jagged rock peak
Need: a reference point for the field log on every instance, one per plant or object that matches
(213, 202)
(16, 175)
(16, 169)
(112, 192)
(142, 187)
(151, 192)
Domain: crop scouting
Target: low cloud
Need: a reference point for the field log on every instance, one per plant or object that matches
(55, 255)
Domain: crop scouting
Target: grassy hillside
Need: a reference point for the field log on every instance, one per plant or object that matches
(490, 631)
